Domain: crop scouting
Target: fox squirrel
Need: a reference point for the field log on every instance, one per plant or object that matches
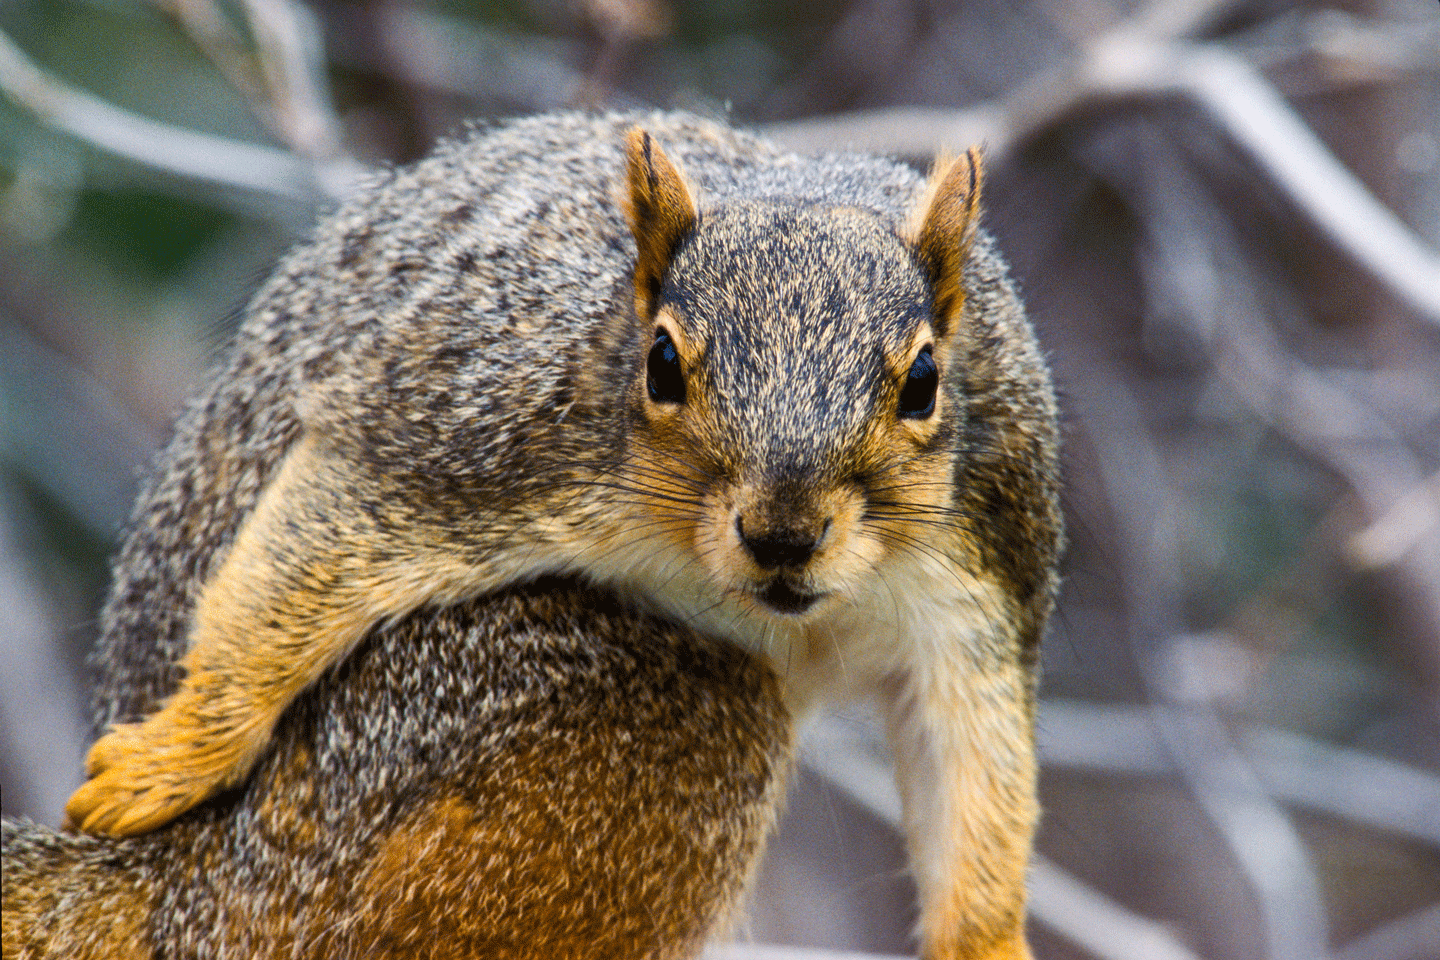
(788, 405)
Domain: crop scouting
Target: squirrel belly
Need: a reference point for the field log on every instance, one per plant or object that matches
(791, 403)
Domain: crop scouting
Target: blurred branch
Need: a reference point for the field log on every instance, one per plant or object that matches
(1412, 937)
(1139, 61)
(292, 61)
(1197, 267)
(1412, 517)
(283, 81)
(460, 57)
(93, 473)
(621, 25)
(1355, 786)
(1070, 908)
(217, 161)
(1093, 921)
(207, 26)
(1343, 433)
(1363, 50)
(40, 717)
(1048, 98)
(1304, 169)
(1258, 832)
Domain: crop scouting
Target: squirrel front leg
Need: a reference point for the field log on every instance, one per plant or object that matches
(309, 573)
(963, 739)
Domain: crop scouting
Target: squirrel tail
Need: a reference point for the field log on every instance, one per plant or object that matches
(67, 895)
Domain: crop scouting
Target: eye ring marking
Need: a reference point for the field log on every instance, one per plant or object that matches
(917, 396)
(664, 375)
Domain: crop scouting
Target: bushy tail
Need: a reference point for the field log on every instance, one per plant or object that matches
(72, 896)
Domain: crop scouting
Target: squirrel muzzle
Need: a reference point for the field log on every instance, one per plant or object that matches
(782, 546)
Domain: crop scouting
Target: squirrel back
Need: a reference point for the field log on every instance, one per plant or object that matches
(541, 773)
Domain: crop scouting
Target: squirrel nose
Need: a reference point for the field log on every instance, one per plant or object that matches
(783, 547)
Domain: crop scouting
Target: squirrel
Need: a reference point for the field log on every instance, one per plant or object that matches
(499, 779)
(792, 404)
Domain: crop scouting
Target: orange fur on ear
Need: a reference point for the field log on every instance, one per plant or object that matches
(660, 210)
(944, 227)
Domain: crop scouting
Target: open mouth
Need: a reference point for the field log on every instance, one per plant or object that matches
(781, 596)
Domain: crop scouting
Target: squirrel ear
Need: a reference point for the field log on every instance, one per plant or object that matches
(943, 228)
(660, 210)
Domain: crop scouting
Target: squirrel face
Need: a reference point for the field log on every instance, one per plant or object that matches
(792, 380)
(793, 425)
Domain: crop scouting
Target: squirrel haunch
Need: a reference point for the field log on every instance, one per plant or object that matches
(494, 780)
(793, 403)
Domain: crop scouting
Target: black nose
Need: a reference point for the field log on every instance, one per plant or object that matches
(784, 547)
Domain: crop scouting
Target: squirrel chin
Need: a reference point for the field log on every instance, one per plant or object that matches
(781, 595)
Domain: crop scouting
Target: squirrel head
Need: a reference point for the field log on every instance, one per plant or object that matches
(795, 405)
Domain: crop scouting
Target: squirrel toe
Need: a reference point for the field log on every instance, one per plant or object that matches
(134, 798)
(143, 775)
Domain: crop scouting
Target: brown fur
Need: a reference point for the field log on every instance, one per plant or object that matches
(495, 780)
(446, 393)
(269, 623)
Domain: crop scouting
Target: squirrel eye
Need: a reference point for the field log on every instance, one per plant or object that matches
(917, 397)
(664, 378)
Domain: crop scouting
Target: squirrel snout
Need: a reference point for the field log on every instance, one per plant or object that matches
(782, 546)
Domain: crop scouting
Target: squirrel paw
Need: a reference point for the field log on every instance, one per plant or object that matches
(144, 775)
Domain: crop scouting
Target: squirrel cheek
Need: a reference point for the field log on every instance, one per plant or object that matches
(850, 551)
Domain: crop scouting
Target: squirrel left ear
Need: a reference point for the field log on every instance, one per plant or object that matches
(943, 227)
(660, 210)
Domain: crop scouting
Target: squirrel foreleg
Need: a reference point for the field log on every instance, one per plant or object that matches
(308, 575)
(965, 765)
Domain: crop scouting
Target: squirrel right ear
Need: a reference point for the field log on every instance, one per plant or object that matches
(660, 210)
(943, 228)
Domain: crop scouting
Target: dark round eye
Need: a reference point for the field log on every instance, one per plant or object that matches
(917, 397)
(664, 378)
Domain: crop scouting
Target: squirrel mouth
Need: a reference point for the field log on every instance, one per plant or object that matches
(782, 596)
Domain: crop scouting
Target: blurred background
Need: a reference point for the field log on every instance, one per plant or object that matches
(1224, 215)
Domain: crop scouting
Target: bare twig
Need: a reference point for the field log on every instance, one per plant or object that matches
(1314, 410)
(1372, 50)
(283, 81)
(292, 62)
(1093, 921)
(217, 161)
(462, 58)
(1007, 121)
(211, 31)
(1263, 124)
